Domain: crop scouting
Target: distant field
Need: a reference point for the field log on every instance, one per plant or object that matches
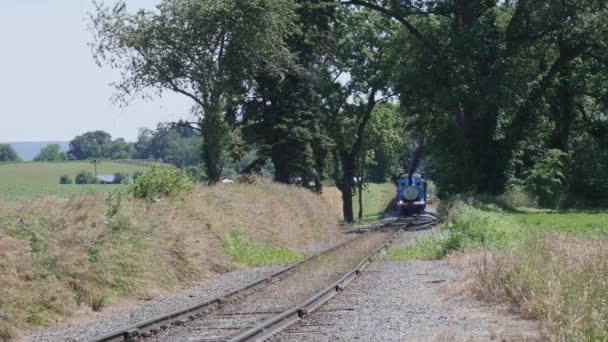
(28, 180)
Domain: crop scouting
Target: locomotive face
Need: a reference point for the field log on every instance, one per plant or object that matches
(411, 198)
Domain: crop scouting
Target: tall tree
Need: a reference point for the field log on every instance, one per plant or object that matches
(357, 79)
(88, 145)
(206, 50)
(481, 69)
(282, 117)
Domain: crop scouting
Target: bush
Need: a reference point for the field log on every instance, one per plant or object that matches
(85, 177)
(546, 179)
(121, 178)
(159, 182)
(136, 175)
(517, 197)
(65, 180)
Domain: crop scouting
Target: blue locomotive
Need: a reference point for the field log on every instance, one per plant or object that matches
(411, 194)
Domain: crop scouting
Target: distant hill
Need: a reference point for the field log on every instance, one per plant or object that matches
(27, 150)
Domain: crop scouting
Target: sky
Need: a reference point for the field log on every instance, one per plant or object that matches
(50, 87)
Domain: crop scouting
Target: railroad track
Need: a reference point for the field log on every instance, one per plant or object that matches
(262, 308)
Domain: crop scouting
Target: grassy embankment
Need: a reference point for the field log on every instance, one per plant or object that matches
(549, 265)
(33, 179)
(64, 257)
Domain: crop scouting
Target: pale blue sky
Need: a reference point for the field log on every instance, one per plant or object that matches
(50, 87)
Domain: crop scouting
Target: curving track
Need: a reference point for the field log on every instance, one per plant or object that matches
(264, 307)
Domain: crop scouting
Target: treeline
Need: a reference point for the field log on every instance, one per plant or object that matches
(167, 143)
(496, 95)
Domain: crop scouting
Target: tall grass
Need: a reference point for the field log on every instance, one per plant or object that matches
(58, 256)
(548, 265)
(561, 280)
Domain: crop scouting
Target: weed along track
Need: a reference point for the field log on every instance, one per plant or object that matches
(264, 307)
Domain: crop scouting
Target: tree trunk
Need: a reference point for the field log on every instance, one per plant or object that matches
(360, 190)
(348, 173)
(214, 132)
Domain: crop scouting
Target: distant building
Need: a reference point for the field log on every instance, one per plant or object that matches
(106, 179)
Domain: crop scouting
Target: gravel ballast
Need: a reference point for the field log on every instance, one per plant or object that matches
(410, 301)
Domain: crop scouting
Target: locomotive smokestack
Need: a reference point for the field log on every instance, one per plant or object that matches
(416, 156)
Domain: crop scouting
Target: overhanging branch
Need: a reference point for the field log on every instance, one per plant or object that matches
(395, 15)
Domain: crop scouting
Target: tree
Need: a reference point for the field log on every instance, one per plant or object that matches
(51, 152)
(282, 118)
(8, 153)
(362, 56)
(117, 149)
(206, 50)
(89, 145)
(481, 71)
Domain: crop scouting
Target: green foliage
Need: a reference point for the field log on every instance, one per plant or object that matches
(51, 152)
(177, 144)
(376, 198)
(136, 175)
(88, 145)
(429, 247)
(113, 202)
(211, 62)
(8, 153)
(122, 178)
(247, 252)
(158, 182)
(384, 143)
(65, 179)
(546, 178)
(85, 177)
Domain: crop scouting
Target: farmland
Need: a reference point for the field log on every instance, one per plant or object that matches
(29, 180)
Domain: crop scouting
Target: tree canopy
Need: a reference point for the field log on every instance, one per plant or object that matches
(496, 95)
(8, 153)
(206, 50)
(51, 152)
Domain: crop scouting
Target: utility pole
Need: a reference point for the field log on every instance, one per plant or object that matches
(95, 162)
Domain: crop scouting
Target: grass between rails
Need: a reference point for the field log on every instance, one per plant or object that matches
(549, 265)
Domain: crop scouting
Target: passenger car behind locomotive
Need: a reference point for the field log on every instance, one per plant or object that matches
(411, 194)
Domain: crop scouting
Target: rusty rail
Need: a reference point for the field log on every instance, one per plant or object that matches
(289, 317)
(179, 317)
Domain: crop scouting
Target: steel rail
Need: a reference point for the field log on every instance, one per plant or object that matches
(179, 317)
(279, 322)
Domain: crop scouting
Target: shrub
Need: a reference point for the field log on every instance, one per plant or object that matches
(159, 182)
(113, 202)
(517, 197)
(85, 177)
(65, 180)
(121, 178)
(136, 175)
(546, 179)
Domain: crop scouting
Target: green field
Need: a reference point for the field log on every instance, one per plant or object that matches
(30, 180)
(376, 197)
